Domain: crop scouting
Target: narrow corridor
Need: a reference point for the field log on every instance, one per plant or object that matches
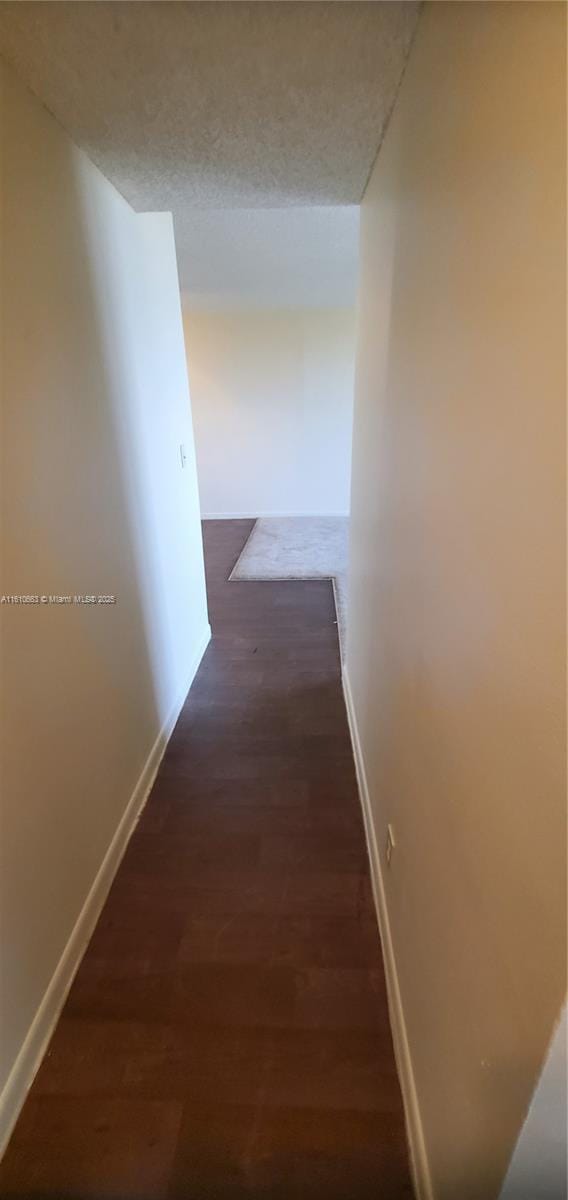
(227, 1034)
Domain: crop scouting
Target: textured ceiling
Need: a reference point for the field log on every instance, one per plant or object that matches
(226, 104)
(268, 258)
(231, 105)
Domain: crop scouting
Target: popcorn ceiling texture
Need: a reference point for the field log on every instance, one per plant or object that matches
(226, 104)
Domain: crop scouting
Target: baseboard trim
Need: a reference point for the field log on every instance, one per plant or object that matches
(255, 516)
(414, 1128)
(41, 1029)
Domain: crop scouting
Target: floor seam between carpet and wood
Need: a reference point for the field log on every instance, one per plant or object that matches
(277, 545)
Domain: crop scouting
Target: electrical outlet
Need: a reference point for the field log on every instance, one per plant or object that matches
(390, 845)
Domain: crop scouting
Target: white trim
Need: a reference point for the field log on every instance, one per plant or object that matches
(254, 516)
(414, 1128)
(39, 1034)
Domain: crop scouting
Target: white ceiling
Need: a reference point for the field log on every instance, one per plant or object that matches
(268, 258)
(232, 105)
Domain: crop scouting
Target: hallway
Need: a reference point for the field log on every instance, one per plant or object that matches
(227, 1034)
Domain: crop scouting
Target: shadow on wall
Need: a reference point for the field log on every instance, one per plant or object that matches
(95, 503)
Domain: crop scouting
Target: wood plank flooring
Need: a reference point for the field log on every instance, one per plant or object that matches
(227, 1036)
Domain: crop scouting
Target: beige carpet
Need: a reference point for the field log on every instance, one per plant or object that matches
(300, 548)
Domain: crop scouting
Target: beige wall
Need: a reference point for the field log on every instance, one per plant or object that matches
(95, 405)
(272, 396)
(456, 642)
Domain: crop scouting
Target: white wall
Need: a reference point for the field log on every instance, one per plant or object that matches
(95, 405)
(272, 397)
(456, 647)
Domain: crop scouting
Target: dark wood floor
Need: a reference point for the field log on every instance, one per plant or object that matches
(227, 1037)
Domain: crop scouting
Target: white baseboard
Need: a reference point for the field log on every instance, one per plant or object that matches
(414, 1129)
(256, 516)
(39, 1034)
